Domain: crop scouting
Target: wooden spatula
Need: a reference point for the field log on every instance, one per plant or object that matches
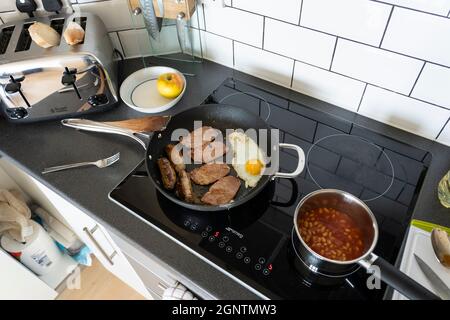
(144, 124)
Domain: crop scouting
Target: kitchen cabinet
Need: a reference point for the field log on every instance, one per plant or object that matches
(93, 234)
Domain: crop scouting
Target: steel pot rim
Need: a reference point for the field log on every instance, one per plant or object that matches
(367, 253)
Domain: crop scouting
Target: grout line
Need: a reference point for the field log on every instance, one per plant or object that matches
(440, 131)
(362, 97)
(334, 51)
(387, 25)
(121, 45)
(263, 35)
(417, 79)
(448, 15)
(300, 16)
(204, 16)
(292, 75)
(234, 61)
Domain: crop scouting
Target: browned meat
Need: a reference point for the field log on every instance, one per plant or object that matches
(209, 173)
(173, 152)
(199, 137)
(209, 152)
(168, 175)
(184, 187)
(223, 191)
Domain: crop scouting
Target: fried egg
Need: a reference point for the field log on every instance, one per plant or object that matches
(248, 159)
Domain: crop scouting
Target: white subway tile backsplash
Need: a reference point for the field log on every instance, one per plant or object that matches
(419, 35)
(444, 137)
(235, 24)
(440, 7)
(214, 48)
(263, 64)
(360, 20)
(286, 10)
(115, 14)
(434, 85)
(382, 68)
(299, 43)
(403, 112)
(7, 5)
(333, 88)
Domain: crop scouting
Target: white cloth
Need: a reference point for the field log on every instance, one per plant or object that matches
(14, 216)
(179, 292)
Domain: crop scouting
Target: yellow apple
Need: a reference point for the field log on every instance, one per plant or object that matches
(169, 85)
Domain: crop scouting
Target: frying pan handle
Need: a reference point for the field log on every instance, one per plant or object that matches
(93, 126)
(398, 280)
(300, 166)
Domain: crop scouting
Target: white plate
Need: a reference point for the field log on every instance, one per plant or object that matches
(139, 91)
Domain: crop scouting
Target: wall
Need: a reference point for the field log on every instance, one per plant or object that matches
(387, 59)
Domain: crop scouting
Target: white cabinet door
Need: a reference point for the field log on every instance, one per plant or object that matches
(19, 283)
(97, 239)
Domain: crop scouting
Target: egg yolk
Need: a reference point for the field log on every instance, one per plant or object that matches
(253, 167)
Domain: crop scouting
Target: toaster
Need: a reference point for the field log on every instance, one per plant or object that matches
(39, 84)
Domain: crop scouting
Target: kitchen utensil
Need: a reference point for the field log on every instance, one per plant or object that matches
(436, 281)
(363, 216)
(26, 6)
(103, 163)
(144, 124)
(221, 117)
(441, 246)
(151, 23)
(139, 91)
(444, 190)
(47, 89)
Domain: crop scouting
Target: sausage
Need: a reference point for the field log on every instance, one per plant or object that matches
(184, 187)
(168, 175)
(173, 152)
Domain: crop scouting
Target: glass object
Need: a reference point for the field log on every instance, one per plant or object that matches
(444, 190)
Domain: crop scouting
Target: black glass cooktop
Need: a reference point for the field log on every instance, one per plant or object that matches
(252, 243)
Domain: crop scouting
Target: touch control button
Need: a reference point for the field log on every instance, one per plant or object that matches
(204, 234)
(239, 255)
(208, 229)
(247, 260)
(225, 239)
(266, 272)
(211, 238)
(221, 244)
(229, 249)
(257, 266)
(261, 260)
(243, 249)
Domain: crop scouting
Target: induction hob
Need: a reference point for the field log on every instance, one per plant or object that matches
(253, 243)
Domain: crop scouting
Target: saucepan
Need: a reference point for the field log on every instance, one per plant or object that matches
(336, 202)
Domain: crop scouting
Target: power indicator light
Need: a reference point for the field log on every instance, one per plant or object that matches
(270, 267)
(217, 234)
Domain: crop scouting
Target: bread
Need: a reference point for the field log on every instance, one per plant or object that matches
(44, 35)
(74, 34)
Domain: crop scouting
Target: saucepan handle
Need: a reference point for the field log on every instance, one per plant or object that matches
(397, 279)
(300, 166)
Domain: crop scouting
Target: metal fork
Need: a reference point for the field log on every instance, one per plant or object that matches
(103, 163)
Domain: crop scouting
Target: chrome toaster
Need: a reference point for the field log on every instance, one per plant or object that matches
(39, 84)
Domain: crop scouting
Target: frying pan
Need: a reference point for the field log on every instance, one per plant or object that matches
(221, 117)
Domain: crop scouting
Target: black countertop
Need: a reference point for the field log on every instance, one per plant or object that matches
(34, 146)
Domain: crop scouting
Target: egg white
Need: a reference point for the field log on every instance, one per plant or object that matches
(245, 149)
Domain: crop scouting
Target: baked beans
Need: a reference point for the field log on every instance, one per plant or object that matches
(331, 234)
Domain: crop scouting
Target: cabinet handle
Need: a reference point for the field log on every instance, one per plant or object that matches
(90, 234)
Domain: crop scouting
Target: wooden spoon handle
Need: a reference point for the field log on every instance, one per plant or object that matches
(144, 124)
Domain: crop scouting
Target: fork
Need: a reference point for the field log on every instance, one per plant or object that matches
(103, 163)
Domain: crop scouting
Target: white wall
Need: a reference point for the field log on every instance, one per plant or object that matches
(387, 59)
